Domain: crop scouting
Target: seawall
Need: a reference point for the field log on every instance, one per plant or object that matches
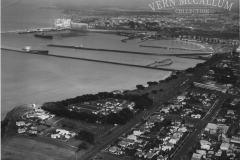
(92, 60)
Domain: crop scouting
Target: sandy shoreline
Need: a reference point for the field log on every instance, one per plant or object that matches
(201, 45)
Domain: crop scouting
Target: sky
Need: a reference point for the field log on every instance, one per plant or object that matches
(131, 3)
(118, 3)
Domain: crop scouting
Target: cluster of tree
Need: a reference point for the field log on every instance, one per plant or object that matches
(190, 70)
(143, 102)
(224, 75)
(85, 136)
(122, 117)
(140, 87)
(60, 108)
(83, 145)
(156, 128)
(154, 91)
(152, 83)
(199, 112)
(169, 78)
(4, 125)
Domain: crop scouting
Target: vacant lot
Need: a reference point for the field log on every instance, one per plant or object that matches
(28, 149)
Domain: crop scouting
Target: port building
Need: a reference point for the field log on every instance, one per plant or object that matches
(62, 23)
(79, 26)
(211, 87)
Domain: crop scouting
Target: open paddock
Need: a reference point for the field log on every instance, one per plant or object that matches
(38, 149)
(53, 120)
(96, 129)
(73, 142)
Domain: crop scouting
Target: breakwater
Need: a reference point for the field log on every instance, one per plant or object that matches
(128, 52)
(93, 60)
(99, 49)
(178, 48)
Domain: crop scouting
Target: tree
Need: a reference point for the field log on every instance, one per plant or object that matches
(152, 83)
(140, 87)
(199, 65)
(85, 136)
(83, 145)
(189, 70)
(154, 91)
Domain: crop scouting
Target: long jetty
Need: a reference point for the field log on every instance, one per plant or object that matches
(178, 48)
(93, 60)
(128, 52)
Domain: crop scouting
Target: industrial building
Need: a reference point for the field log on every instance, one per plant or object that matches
(79, 26)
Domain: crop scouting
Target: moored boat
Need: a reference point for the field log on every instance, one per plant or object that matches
(42, 35)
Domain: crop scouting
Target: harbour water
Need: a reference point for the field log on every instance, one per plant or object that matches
(29, 78)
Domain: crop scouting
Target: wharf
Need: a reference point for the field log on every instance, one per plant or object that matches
(93, 60)
(128, 52)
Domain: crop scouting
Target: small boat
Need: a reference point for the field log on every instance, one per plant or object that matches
(29, 50)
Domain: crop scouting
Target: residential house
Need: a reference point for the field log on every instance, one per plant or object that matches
(224, 146)
(230, 111)
(173, 140)
(137, 133)
(168, 146)
(205, 144)
(197, 116)
(196, 156)
(140, 153)
(54, 136)
(113, 149)
(20, 123)
(123, 144)
(129, 141)
(233, 140)
(178, 134)
(162, 158)
(149, 155)
(21, 130)
(202, 152)
(132, 137)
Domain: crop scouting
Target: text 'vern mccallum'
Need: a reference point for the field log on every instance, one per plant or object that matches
(160, 4)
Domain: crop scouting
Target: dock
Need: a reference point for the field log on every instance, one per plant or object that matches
(93, 60)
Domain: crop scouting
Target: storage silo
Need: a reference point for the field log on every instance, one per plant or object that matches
(79, 26)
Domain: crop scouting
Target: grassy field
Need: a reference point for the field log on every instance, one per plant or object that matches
(18, 148)
(96, 129)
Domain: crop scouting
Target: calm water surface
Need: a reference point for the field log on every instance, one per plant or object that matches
(29, 78)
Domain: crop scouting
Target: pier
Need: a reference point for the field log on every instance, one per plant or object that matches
(129, 52)
(93, 60)
(178, 48)
(26, 31)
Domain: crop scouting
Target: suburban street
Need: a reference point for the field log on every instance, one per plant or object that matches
(157, 103)
(200, 126)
